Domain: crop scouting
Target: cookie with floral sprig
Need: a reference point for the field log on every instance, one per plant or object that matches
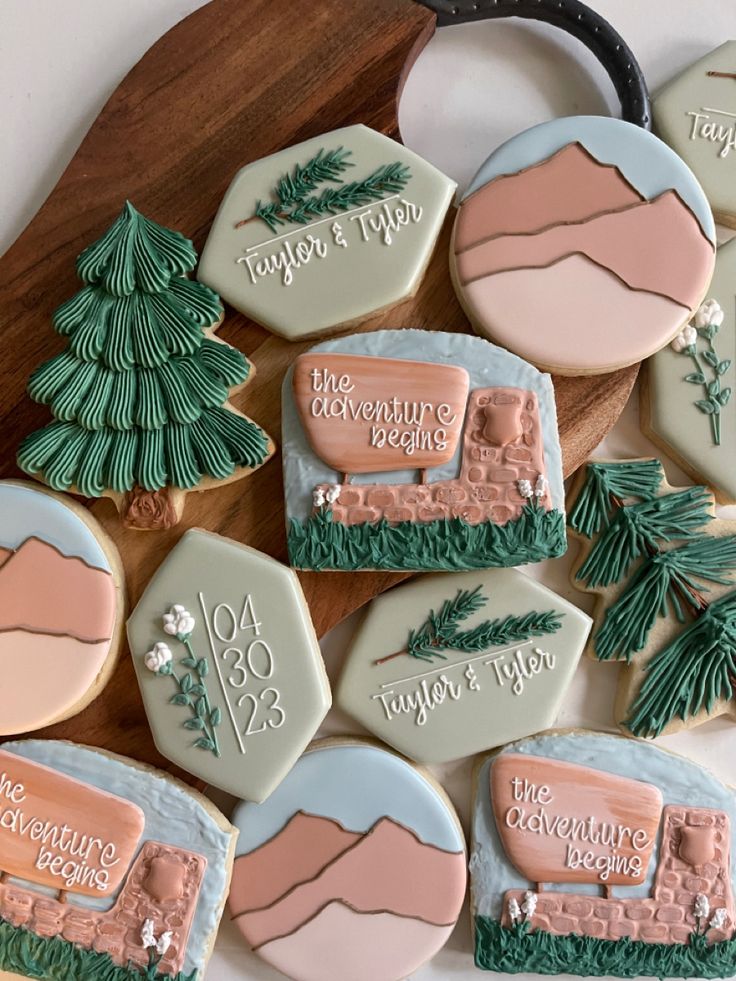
(686, 402)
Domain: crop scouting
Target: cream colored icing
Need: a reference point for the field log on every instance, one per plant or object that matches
(572, 315)
(371, 947)
(570, 186)
(387, 869)
(43, 676)
(628, 242)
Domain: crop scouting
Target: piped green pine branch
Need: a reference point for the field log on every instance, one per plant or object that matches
(607, 483)
(668, 583)
(635, 530)
(439, 632)
(691, 673)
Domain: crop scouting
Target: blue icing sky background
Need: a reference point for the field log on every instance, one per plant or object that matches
(487, 365)
(646, 162)
(172, 816)
(24, 513)
(680, 781)
(355, 785)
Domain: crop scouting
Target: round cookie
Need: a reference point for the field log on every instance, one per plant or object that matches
(126, 878)
(355, 867)
(583, 245)
(696, 114)
(448, 666)
(62, 600)
(687, 404)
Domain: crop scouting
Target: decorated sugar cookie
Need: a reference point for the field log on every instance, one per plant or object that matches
(687, 405)
(664, 569)
(326, 233)
(354, 868)
(421, 451)
(62, 600)
(447, 666)
(696, 115)
(600, 856)
(584, 245)
(119, 872)
(228, 664)
(140, 395)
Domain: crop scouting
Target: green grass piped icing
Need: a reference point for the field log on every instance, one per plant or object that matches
(318, 542)
(138, 394)
(518, 950)
(56, 959)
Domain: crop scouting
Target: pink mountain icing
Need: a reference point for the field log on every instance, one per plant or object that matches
(388, 869)
(43, 591)
(299, 852)
(569, 186)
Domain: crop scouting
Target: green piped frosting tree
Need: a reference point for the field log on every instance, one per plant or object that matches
(139, 395)
(654, 555)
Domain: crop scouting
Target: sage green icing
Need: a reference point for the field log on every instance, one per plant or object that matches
(671, 412)
(519, 950)
(257, 685)
(138, 394)
(320, 543)
(635, 530)
(691, 673)
(310, 265)
(489, 680)
(605, 483)
(709, 152)
(55, 959)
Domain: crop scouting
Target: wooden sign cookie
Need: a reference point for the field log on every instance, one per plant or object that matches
(600, 856)
(664, 570)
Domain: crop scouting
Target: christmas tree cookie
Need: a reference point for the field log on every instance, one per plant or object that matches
(62, 607)
(325, 234)
(447, 666)
(114, 871)
(687, 404)
(140, 394)
(664, 570)
(600, 856)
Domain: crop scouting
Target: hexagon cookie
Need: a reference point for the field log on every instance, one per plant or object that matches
(326, 233)
(447, 666)
(696, 115)
(687, 406)
(228, 664)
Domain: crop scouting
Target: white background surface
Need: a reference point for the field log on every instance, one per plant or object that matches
(473, 87)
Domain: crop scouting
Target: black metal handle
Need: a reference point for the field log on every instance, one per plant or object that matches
(576, 19)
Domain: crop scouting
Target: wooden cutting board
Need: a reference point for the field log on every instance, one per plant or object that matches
(235, 81)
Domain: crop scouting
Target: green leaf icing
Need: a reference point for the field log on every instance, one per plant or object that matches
(138, 394)
(607, 482)
(293, 203)
(519, 950)
(439, 631)
(320, 543)
(663, 586)
(712, 405)
(691, 673)
(635, 530)
(55, 959)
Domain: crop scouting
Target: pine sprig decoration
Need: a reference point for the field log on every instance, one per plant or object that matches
(605, 483)
(439, 631)
(635, 530)
(691, 673)
(668, 583)
(325, 166)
